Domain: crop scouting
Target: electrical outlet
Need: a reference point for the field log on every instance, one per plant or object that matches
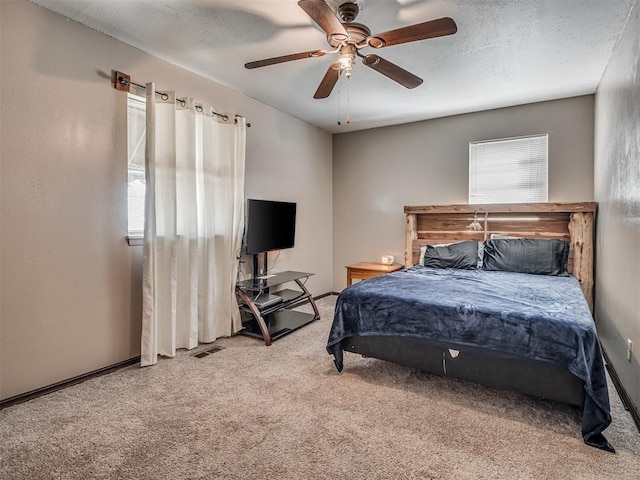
(629, 348)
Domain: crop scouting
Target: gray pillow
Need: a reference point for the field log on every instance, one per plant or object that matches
(463, 255)
(527, 255)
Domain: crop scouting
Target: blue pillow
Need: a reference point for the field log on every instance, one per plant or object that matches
(527, 255)
(463, 255)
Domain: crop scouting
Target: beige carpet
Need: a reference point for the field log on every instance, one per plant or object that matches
(283, 412)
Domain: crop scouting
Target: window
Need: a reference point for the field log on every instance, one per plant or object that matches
(136, 128)
(509, 170)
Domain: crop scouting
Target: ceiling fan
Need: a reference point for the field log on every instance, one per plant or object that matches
(348, 38)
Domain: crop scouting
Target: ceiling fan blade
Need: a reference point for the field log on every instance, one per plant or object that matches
(284, 58)
(392, 71)
(412, 33)
(322, 14)
(328, 81)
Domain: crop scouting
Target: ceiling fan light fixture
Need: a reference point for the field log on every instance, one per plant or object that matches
(346, 60)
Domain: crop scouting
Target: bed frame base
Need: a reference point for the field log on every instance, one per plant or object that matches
(495, 369)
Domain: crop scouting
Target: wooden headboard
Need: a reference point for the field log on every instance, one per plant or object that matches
(573, 222)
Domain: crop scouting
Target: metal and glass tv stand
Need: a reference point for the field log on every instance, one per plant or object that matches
(270, 316)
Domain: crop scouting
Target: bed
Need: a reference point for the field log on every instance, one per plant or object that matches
(530, 331)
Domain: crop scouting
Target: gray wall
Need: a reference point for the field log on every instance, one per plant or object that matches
(70, 296)
(376, 172)
(617, 191)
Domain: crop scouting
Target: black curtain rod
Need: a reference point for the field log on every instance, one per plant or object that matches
(125, 81)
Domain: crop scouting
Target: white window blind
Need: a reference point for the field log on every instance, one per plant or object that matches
(509, 170)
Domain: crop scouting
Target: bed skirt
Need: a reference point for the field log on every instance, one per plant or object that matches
(494, 369)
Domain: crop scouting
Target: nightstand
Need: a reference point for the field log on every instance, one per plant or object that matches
(364, 270)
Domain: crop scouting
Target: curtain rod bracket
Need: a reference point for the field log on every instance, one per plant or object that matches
(122, 82)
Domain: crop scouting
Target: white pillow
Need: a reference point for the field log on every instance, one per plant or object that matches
(422, 250)
(480, 254)
(497, 236)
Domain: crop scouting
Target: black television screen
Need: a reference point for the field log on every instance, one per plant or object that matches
(270, 225)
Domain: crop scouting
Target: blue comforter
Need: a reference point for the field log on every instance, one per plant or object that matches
(539, 317)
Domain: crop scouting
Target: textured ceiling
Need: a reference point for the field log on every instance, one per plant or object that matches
(506, 52)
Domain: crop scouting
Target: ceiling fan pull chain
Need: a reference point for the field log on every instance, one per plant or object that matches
(339, 100)
(348, 98)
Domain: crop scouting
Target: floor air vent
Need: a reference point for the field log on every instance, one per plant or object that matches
(206, 353)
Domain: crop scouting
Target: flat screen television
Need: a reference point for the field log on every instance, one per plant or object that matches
(271, 225)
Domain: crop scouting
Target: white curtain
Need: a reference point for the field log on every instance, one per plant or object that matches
(194, 214)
